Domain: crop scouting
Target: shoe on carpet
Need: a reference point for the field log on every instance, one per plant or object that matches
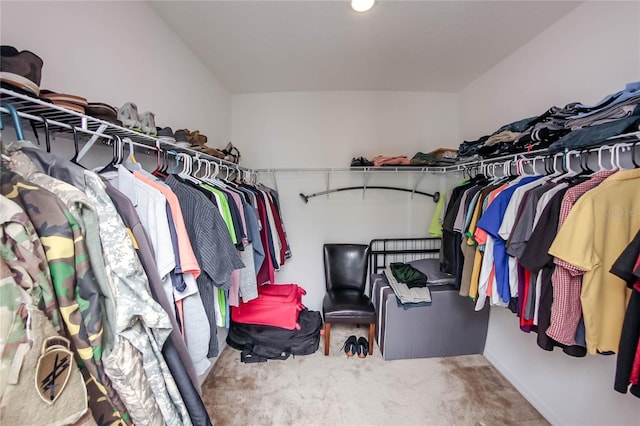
(351, 346)
(363, 347)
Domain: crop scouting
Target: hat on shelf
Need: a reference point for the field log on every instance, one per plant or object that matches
(64, 100)
(20, 71)
(103, 112)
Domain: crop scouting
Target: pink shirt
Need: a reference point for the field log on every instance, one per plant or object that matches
(188, 261)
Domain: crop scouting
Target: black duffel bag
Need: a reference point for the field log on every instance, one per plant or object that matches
(259, 343)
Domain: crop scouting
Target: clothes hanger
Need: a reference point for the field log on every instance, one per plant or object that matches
(159, 161)
(115, 157)
(130, 162)
(4, 157)
(16, 120)
(207, 169)
(617, 149)
(76, 146)
(570, 171)
(186, 168)
(533, 164)
(34, 130)
(548, 162)
(584, 165)
(47, 135)
(633, 155)
(558, 174)
(174, 169)
(164, 171)
(600, 164)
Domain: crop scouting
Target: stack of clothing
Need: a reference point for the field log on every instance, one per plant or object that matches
(574, 126)
(409, 285)
(411, 281)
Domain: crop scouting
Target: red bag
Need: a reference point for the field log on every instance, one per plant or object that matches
(277, 305)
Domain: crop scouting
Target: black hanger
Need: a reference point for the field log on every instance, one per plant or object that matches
(47, 136)
(584, 165)
(116, 156)
(76, 145)
(162, 173)
(35, 130)
(633, 155)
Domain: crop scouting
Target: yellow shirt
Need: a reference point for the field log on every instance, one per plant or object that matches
(478, 258)
(598, 228)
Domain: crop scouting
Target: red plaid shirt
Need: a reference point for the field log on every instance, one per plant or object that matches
(566, 309)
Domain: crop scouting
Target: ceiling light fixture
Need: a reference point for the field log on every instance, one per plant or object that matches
(362, 5)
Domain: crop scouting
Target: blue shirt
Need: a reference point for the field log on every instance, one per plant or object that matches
(490, 222)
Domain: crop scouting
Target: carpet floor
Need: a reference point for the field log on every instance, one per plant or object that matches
(336, 390)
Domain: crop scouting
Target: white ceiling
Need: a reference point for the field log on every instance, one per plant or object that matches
(276, 46)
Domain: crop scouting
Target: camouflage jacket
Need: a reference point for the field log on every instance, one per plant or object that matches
(22, 261)
(139, 319)
(75, 287)
(83, 210)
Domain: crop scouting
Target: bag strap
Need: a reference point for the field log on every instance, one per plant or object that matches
(248, 357)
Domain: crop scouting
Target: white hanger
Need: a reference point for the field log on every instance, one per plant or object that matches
(570, 171)
(600, 164)
(618, 148)
(186, 168)
(130, 162)
(558, 174)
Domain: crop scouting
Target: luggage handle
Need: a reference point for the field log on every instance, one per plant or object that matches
(248, 357)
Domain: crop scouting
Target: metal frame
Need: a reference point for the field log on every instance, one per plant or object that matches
(35, 109)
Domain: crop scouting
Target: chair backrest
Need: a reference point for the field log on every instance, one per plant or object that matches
(345, 266)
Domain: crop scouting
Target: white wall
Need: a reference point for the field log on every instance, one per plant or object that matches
(589, 53)
(327, 129)
(116, 52)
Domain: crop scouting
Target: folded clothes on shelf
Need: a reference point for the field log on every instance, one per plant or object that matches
(574, 126)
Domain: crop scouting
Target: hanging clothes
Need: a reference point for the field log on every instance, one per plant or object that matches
(608, 210)
(149, 370)
(514, 231)
(214, 250)
(628, 360)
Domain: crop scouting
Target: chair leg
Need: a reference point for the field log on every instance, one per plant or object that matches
(327, 333)
(372, 330)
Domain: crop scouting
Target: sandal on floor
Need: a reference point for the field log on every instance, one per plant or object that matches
(363, 347)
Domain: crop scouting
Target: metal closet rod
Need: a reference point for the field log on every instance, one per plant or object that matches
(163, 144)
(422, 169)
(356, 169)
(472, 164)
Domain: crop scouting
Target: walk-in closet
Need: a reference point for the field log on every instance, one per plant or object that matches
(178, 176)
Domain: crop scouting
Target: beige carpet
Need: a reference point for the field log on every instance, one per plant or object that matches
(336, 390)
